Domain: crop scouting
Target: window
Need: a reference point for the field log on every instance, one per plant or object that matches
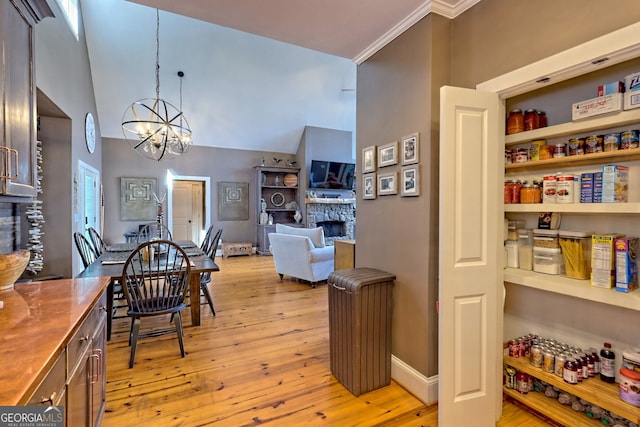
(70, 10)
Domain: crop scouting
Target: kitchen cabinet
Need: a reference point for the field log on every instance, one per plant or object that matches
(18, 172)
(472, 277)
(278, 187)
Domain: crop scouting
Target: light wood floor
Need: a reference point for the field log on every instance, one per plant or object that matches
(264, 359)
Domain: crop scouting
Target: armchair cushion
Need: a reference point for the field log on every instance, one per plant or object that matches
(296, 256)
(315, 234)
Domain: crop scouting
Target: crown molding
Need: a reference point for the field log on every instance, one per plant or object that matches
(440, 7)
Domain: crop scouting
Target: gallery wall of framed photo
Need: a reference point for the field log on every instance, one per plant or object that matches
(392, 168)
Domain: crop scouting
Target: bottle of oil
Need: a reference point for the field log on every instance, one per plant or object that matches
(607, 359)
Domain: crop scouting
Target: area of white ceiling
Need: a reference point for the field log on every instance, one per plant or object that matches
(256, 72)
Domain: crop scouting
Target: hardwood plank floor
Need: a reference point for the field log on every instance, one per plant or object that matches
(264, 359)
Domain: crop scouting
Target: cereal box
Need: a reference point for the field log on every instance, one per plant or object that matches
(615, 183)
(603, 260)
(626, 264)
(601, 105)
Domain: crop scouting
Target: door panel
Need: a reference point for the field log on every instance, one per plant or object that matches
(187, 210)
(470, 283)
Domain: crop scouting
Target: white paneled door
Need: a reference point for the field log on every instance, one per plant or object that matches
(470, 282)
(188, 212)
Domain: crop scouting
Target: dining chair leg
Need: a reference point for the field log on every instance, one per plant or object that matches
(207, 295)
(178, 321)
(135, 329)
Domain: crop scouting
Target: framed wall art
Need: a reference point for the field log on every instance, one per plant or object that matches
(233, 201)
(410, 181)
(410, 149)
(388, 154)
(369, 159)
(369, 186)
(137, 202)
(387, 183)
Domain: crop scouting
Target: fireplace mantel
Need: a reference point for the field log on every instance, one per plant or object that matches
(329, 201)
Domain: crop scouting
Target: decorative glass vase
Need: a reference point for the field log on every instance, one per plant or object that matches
(264, 217)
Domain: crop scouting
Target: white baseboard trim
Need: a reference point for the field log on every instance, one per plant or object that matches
(424, 388)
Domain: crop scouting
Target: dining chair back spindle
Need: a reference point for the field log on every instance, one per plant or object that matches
(205, 278)
(85, 249)
(98, 244)
(153, 286)
(206, 242)
(155, 231)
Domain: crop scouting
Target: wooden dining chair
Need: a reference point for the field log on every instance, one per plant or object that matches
(85, 249)
(206, 242)
(154, 230)
(98, 244)
(205, 278)
(155, 286)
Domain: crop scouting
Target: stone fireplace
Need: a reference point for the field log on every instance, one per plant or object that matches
(336, 216)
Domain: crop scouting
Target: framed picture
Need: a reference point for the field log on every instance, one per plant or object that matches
(369, 159)
(410, 149)
(410, 181)
(233, 201)
(369, 185)
(136, 199)
(388, 154)
(387, 183)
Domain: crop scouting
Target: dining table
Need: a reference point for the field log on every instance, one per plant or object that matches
(111, 264)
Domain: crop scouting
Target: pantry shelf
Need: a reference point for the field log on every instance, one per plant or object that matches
(572, 287)
(577, 208)
(593, 390)
(570, 161)
(575, 128)
(555, 410)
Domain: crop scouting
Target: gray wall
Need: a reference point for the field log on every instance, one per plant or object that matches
(217, 163)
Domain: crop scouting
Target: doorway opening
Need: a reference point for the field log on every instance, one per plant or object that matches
(188, 206)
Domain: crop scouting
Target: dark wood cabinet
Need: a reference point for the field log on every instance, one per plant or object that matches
(278, 188)
(18, 172)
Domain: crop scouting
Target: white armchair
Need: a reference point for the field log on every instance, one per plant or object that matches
(301, 253)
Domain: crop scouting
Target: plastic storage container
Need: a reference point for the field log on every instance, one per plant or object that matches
(525, 249)
(576, 253)
(547, 260)
(631, 359)
(630, 386)
(545, 238)
(511, 247)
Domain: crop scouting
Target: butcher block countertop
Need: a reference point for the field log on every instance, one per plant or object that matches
(37, 320)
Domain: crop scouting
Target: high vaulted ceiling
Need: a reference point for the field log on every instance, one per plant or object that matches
(256, 72)
(348, 28)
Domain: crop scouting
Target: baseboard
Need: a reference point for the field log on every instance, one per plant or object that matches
(423, 388)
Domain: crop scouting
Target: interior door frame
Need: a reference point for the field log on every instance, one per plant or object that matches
(206, 180)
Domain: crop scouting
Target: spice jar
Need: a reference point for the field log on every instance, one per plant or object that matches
(515, 122)
(531, 120)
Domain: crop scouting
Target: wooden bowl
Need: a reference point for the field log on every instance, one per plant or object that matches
(11, 267)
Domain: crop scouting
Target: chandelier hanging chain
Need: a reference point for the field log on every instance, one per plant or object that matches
(158, 55)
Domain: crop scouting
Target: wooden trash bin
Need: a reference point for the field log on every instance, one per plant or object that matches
(360, 308)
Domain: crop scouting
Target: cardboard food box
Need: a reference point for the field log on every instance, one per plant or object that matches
(613, 87)
(593, 107)
(615, 184)
(603, 260)
(632, 95)
(626, 264)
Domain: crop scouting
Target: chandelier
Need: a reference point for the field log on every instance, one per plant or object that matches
(154, 127)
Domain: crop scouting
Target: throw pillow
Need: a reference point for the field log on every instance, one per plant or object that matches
(315, 234)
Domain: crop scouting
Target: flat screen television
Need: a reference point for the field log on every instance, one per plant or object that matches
(332, 175)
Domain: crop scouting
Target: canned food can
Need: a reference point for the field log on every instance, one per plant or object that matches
(534, 149)
(514, 348)
(510, 377)
(508, 157)
(536, 357)
(593, 144)
(611, 142)
(522, 155)
(629, 139)
(549, 183)
(576, 146)
(548, 363)
(564, 189)
(560, 150)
